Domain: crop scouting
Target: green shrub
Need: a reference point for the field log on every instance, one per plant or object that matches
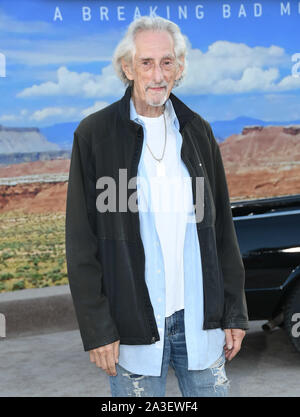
(20, 285)
(7, 255)
(4, 277)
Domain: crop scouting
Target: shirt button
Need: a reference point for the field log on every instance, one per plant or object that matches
(158, 271)
(158, 316)
(159, 300)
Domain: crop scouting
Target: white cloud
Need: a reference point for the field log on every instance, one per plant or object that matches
(14, 117)
(289, 83)
(49, 112)
(54, 113)
(9, 118)
(229, 67)
(71, 83)
(253, 78)
(226, 68)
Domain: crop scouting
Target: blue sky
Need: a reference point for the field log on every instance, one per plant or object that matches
(58, 71)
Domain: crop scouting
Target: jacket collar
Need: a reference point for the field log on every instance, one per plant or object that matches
(183, 112)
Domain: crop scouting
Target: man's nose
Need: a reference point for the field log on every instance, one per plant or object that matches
(157, 74)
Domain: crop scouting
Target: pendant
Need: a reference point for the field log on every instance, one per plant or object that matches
(160, 169)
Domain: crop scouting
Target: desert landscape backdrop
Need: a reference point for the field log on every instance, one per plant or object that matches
(56, 68)
(260, 161)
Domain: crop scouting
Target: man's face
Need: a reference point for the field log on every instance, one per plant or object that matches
(154, 68)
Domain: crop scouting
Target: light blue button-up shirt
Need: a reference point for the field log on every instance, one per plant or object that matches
(204, 347)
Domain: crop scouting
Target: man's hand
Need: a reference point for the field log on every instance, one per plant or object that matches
(234, 339)
(106, 357)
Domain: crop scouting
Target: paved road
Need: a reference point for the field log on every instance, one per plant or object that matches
(56, 365)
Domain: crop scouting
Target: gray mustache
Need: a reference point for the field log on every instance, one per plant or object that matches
(155, 86)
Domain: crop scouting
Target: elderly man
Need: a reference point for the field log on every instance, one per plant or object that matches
(150, 286)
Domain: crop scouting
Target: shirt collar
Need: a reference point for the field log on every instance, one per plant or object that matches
(168, 108)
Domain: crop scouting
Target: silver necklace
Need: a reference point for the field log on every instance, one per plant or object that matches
(160, 159)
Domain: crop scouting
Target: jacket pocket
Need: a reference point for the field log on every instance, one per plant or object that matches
(124, 286)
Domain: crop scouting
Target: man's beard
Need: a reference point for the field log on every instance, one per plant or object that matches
(161, 102)
(153, 103)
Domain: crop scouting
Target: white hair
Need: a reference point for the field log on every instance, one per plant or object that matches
(126, 48)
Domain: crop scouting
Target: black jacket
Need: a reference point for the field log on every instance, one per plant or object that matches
(104, 251)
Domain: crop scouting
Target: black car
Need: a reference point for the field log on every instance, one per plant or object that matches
(268, 232)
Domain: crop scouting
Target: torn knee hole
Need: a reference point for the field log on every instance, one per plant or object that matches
(220, 375)
(133, 376)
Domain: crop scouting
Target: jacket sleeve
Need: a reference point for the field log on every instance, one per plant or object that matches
(235, 313)
(84, 269)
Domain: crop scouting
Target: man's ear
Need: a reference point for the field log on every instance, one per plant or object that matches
(127, 68)
(180, 68)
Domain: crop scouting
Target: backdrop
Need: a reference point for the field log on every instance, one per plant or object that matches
(55, 68)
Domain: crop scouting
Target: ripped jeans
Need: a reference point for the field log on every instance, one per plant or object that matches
(210, 382)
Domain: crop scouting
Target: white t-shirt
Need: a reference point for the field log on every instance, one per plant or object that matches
(169, 196)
